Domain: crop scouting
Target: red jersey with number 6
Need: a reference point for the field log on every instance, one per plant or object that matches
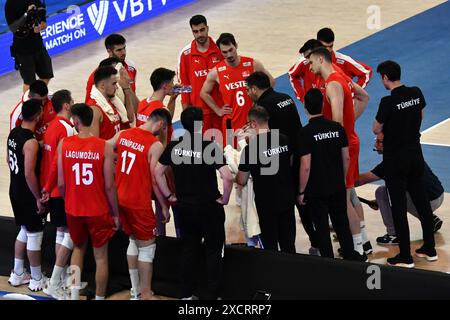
(133, 176)
(82, 161)
(233, 90)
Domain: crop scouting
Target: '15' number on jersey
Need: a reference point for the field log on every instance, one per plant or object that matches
(87, 175)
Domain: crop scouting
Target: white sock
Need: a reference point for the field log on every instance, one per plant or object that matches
(99, 298)
(18, 266)
(357, 243)
(134, 276)
(56, 275)
(74, 294)
(363, 231)
(36, 273)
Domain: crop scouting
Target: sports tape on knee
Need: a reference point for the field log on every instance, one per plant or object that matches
(146, 254)
(67, 241)
(34, 241)
(132, 248)
(22, 235)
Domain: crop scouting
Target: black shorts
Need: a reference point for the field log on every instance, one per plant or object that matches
(25, 214)
(38, 63)
(57, 212)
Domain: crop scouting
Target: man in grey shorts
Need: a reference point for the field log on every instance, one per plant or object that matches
(434, 190)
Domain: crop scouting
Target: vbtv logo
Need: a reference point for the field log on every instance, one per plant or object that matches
(99, 15)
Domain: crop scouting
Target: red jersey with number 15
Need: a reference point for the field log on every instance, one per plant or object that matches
(349, 111)
(233, 90)
(82, 161)
(133, 176)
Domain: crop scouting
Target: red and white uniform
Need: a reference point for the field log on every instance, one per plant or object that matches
(193, 67)
(353, 68)
(15, 118)
(348, 123)
(58, 129)
(110, 125)
(85, 197)
(233, 90)
(134, 183)
(302, 78)
(145, 109)
(132, 72)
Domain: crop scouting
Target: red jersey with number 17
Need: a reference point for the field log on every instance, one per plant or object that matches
(233, 90)
(82, 161)
(133, 176)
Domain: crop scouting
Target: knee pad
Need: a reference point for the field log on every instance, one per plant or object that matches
(67, 241)
(22, 235)
(132, 248)
(34, 241)
(354, 198)
(59, 237)
(146, 254)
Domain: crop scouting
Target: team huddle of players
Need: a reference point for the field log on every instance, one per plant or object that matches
(91, 163)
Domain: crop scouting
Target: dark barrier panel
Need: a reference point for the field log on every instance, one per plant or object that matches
(247, 270)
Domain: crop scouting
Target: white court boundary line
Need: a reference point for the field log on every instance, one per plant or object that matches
(431, 128)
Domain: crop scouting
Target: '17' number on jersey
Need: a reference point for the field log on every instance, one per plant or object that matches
(86, 176)
(130, 155)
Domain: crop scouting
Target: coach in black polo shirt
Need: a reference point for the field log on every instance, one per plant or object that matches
(283, 115)
(398, 119)
(194, 162)
(267, 158)
(323, 148)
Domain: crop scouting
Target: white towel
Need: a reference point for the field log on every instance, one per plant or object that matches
(106, 107)
(249, 216)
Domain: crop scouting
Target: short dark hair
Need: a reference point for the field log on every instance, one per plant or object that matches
(160, 76)
(325, 35)
(108, 62)
(311, 44)
(314, 101)
(103, 73)
(226, 39)
(161, 114)
(390, 69)
(83, 112)
(59, 98)
(39, 87)
(258, 79)
(259, 114)
(322, 52)
(197, 19)
(114, 40)
(189, 116)
(31, 109)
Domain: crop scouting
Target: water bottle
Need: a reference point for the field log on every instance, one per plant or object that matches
(182, 89)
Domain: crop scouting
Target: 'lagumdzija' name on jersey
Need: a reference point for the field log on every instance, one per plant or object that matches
(131, 144)
(326, 135)
(87, 155)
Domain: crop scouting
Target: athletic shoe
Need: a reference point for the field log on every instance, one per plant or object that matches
(437, 223)
(367, 247)
(314, 251)
(37, 285)
(135, 294)
(357, 257)
(56, 292)
(387, 240)
(17, 280)
(429, 254)
(399, 261)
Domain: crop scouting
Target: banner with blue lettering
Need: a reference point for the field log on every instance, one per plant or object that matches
(81, 24)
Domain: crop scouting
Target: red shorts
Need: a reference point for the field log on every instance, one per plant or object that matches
(140, 223)
(100, 228)
(353, 166)
(213, 124)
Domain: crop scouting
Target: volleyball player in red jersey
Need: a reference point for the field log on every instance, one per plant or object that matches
(339, 107)
(230, 74)
(86, 181)
(194, 63)
(138, 151)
